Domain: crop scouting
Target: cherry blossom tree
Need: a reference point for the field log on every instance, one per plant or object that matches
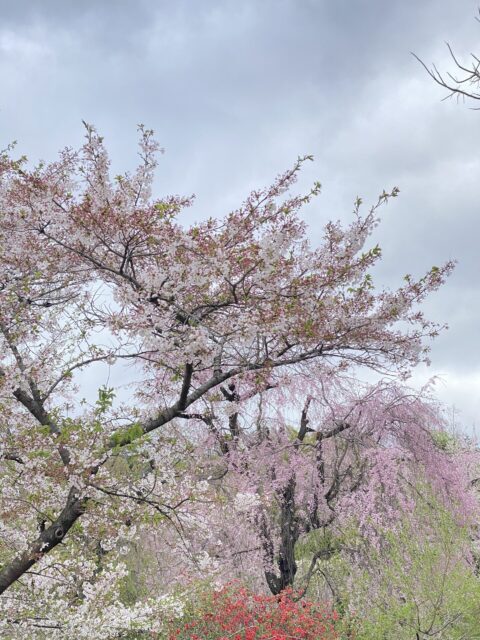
(95, 271)
(288, 476)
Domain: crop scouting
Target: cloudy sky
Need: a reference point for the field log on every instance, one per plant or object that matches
(236, 90)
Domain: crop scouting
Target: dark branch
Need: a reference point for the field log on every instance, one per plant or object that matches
(48, 539)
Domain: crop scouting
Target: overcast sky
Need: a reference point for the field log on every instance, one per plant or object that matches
(236, 90)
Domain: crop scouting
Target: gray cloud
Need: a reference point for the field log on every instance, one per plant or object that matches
(236, 91)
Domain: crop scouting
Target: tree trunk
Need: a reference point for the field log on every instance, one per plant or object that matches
(46, 541)
(289, 534)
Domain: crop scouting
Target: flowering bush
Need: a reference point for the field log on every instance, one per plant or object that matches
(235, 613)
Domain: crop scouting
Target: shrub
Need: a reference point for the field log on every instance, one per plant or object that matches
(236, 613)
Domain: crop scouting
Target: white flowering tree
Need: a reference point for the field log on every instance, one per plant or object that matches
(94, 270)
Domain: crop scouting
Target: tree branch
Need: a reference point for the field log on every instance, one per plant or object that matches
(46, 541)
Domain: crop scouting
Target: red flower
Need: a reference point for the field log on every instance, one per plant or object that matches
(241, 615)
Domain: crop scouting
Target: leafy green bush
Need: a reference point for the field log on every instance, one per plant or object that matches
(421, 582)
